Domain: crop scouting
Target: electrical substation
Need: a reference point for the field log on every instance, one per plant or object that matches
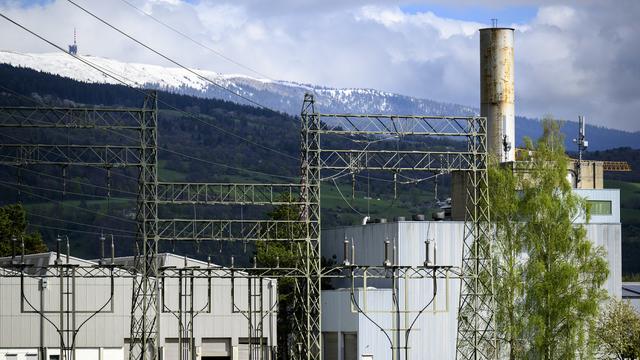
(407, 288)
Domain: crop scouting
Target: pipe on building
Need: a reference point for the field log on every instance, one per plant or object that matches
(497, 94)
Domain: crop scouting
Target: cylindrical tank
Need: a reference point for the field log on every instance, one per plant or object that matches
(497, 91)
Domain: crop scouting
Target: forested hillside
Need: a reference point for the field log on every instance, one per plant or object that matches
(200, 140)
(215, 140)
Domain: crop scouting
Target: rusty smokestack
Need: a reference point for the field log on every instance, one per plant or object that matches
(497, 93)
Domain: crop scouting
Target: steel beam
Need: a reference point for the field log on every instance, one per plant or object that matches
(396, 125)
(249, 230)
(67, 117)
(396, 160)
(228, 193)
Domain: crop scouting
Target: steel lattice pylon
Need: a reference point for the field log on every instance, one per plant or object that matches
(476, 329)
(142, 154)
(145, 324)
(476, 332)
(476, 322)
(307, 292)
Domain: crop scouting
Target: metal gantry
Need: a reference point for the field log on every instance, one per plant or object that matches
(142, 154)
(476, 331)
(67, 273)
(476, 325)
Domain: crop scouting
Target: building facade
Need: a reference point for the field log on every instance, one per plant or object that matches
(360, 319)
(29, 324)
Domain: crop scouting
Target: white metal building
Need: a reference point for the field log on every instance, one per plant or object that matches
(352, 334)
(221, 333)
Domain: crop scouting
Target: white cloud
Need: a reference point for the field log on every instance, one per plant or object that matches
(572, 58)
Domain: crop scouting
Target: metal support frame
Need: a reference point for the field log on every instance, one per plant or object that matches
(66, 273)
(476, 332)
(143, 155)
(144, 341)
(476, 322)
(476, 328)
(186, 312)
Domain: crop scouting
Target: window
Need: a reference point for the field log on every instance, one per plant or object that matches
(330, 345)
(600, 207)
(350, 346)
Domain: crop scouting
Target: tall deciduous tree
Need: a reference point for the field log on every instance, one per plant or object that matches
(565, 271)
(549, 276)
(13, 223)
(508, 259)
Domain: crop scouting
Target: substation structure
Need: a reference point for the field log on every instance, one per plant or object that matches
(476, 338)
(140, 124)
(475, 331)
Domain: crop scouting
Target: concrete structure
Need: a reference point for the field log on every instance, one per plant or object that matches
(219, 334)
(434, 333)
(497, 93)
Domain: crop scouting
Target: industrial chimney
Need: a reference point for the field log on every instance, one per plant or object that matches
(497, 91)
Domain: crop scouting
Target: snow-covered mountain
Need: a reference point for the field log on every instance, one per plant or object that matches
(284, 96)
(279, 95)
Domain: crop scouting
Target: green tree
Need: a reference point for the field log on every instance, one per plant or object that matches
(619, 330)
(13, 223)
(508, 259)
(564, 271)
(282, 254)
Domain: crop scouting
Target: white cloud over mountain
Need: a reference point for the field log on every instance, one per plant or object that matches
(571, 57)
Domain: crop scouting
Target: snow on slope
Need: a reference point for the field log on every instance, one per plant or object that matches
(280, 95)
(136, 74)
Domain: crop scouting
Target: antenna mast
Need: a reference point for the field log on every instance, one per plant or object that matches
(582, 143)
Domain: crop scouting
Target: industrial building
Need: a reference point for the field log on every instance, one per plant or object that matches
(417, 318)
(220, 327)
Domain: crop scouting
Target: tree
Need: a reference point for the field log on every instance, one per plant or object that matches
(282, 254)
(13, 224)
(619, 330)
(548, 275)
(507, 259)
(564, 272)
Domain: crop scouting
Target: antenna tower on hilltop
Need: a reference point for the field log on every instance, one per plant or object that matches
(73, 49)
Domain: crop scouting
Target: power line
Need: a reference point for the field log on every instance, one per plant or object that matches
(67, 191)
(76, 231)
(108, 73)
(82, 224)
(196, 41)
(123, 82)
(68, 205)
(162, 148)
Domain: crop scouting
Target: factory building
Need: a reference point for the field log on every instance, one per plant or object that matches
(358, 311)
(220, 326)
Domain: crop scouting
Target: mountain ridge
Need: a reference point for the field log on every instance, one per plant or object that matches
(286, 96)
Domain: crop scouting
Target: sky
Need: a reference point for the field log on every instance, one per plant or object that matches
(571, 57)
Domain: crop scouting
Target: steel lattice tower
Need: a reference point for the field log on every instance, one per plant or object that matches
(145, 324)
